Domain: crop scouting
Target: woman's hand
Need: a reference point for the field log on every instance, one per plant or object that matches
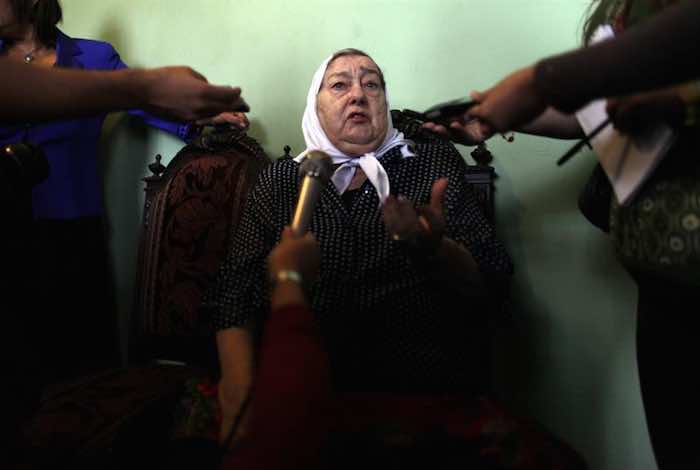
(293, 253)
(465, 131)
(183, 94)
(634, 114)
(422, 227)
(512, 103)
(233, 119)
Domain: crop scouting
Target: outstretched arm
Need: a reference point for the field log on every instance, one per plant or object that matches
(551, 123)
(290, 405)
(186, 131)
(656, 53)
(173, 92)
(659, 52)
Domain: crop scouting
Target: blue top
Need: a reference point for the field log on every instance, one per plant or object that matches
(73, 187)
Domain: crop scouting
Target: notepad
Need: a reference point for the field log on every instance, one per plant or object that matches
(628, 161)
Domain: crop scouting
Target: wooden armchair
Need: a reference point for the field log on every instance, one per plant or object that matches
(192, 209)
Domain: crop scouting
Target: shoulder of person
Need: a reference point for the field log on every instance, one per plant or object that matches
(86, 53)
(97, 48)
(91, 47)
(276, 184)
(281, 172)
(283, 167)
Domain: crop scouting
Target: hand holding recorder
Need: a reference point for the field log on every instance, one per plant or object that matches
(451, 120)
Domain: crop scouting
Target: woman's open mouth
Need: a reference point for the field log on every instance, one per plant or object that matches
(358, 118)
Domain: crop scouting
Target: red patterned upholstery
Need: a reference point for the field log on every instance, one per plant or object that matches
(82, 419)
(191, 212)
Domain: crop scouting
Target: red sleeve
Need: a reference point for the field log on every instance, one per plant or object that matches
(291, 398)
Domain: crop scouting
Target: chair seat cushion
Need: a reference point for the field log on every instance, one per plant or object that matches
(86, 417)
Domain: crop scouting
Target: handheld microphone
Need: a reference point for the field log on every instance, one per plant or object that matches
(316, 171)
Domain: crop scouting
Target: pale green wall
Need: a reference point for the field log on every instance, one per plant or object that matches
(567, 357)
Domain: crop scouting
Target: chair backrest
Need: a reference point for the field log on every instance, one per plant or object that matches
(192, 209)
(480, 175)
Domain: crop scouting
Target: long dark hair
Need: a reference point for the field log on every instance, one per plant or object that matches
(629, 11)
(43, 15)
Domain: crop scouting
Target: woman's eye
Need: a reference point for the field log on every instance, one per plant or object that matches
(372, 85)
(338, 86)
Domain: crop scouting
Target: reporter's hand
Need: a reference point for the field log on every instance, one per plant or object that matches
(463, 131)
(237, 120)
(184, 94)
(422, 227)
(295, 253)
(512, 103)
(634, 114)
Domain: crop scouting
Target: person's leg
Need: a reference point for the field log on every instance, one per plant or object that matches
(667, 354)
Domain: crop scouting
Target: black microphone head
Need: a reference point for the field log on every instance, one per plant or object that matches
(316, 164)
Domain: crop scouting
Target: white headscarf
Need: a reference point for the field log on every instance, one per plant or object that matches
(316, 139)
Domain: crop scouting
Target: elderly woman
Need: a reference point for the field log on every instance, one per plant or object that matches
(402, 241)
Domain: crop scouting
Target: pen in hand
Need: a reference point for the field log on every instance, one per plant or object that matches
(572, 151)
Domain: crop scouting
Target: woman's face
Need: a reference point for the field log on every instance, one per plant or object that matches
(351, 105)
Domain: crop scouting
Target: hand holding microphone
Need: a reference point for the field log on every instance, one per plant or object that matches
(315, 170)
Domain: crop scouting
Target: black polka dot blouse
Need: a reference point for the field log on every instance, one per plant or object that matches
(386, 323)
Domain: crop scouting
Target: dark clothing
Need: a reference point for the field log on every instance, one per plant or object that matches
(659, 52)
(656, 234)
(60, 321)
(667, 330)
(288, 433)
(75, 324)
(656, 238)
(386, 323)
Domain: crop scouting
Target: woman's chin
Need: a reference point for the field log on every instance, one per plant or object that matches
(357, 148)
